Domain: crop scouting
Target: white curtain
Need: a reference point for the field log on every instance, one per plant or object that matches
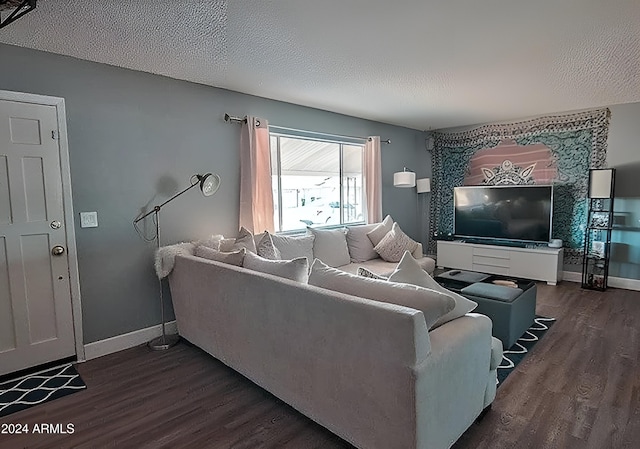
(256, 195)
(373, 179)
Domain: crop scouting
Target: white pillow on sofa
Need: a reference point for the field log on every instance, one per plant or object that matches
(232, 258)
(265, 247)
(433, 304)
(294, 247)
(409, 272)
(330, 246)
(382, 228)
(245, 240)
(359, 244)
(295, 270)
(394, 244)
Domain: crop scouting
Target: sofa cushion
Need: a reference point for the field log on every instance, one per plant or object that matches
(232, 258)
(381, 229)
(410, 272)
(432, 304)
(226, 244)
(393, 245)
(330, 246)
(294, 247)
(295, 269)
(265, 247)
(359, 244)
(245, 240)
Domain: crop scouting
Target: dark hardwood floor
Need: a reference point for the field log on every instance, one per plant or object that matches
(578, 388)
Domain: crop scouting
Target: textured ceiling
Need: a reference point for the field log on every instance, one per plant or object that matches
(422, 64)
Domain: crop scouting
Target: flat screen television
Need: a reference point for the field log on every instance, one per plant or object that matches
(510, 213)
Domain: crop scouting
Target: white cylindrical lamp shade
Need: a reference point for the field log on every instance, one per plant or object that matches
(600, 183)
(423, 185)
(404, 179)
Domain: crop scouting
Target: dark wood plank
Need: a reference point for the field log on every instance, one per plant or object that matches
(578, 388)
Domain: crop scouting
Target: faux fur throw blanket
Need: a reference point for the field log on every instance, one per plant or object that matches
(166, 257)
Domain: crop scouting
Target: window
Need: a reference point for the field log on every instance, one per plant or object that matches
(315, 182)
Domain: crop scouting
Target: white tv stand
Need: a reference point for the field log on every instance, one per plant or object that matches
(540, 264)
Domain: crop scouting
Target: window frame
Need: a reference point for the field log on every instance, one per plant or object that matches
(316, 137)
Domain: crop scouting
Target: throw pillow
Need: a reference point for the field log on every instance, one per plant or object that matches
(226, 245)
(377, 233)
(410, 272)
(232, 258)
(211, 242)
(394, 244)
(245, 240)
(362, 271)
(330, 246)
(360, 247)
(265, 248)
(295, 270)
(432, 304)
(294, 247)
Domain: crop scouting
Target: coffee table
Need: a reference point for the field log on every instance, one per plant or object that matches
(512, 309)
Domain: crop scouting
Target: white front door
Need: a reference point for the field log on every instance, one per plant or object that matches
(36, 321)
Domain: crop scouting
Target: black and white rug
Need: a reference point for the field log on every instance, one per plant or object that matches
(516, 353)
(32, 389)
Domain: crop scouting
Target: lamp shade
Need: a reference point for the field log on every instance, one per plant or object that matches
(209, 183)
(601, 183)
(404, 179)
(423, 185)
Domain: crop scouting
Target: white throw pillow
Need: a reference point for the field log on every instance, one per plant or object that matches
(212, 242)
(359, 244)
(330, 246)
(232, 258)
(294, 247)
(227, 244)
(394, 244)
(377, 233)
(410, 272)
(296, 269)
(432, 303)
(245, 240)
(265, 248)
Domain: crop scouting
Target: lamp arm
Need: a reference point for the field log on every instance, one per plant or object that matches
(160, 206)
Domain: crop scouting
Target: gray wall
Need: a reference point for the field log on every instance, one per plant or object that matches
(135, 139)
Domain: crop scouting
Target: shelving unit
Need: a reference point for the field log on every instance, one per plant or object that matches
(597, 241)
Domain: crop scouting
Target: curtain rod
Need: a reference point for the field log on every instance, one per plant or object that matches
(232, 119)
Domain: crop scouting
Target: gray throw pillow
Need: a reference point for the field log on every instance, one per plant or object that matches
(433, 304)
(330, 246)
(232, 258)
(294, 247)
(265, 248)
(410, 272)
(295, 270)
(394, 244)
(245, 240)
(359, 244)
(377, 233)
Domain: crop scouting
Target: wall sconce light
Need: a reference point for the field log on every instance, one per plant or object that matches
(17, 8)
(405, 178)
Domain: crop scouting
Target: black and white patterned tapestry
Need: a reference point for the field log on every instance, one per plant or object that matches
(556, 150)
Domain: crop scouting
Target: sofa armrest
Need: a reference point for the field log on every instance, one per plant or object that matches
(452, 381)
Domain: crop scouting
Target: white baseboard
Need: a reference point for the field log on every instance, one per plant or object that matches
(615, 282)
(126, 341)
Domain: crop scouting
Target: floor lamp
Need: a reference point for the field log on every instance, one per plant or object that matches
(208, 184)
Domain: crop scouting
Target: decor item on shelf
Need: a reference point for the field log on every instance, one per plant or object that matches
(597, 240)
(423, 185)
(405, 178)
(555, 243)
(16, 8)
(209, 184)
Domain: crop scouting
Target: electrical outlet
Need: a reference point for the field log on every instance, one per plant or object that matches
(88, 219)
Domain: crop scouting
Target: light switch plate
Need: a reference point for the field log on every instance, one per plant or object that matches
(88, 219)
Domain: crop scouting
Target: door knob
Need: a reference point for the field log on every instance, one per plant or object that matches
(57, 250)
